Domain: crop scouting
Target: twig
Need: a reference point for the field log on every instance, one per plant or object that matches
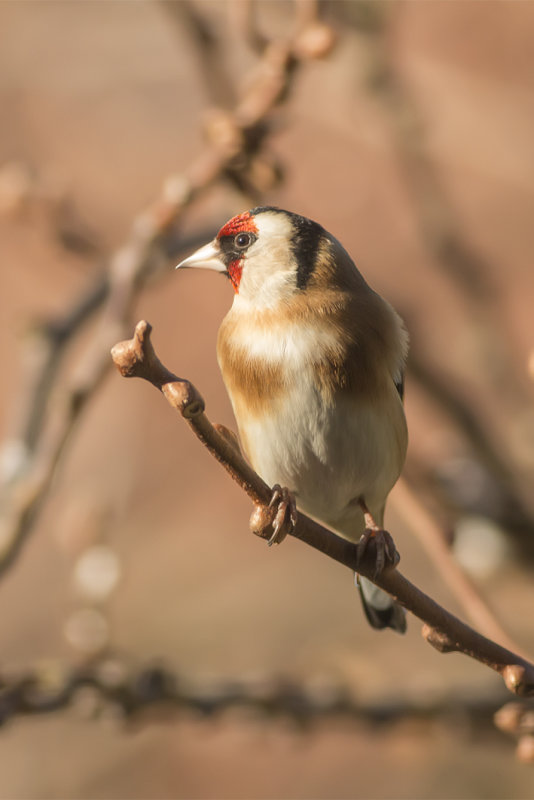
(136, 358)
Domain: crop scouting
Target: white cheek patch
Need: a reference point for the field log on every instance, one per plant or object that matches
(269, 269)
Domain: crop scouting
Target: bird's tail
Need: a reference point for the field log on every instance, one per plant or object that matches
(380, 609)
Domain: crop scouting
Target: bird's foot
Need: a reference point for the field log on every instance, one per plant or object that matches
(386, 554)
(286, 514)
(280, 515)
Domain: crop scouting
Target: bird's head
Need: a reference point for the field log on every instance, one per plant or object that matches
(269, 254)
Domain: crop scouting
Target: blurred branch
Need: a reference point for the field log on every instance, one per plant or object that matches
(442, 232)
(244, 15)
(439, 222)
(234, 154)
(517, 719)
(153, 693)
(24, 190)
(218, 84)
(49, 339)
(434, 541)
(514, 501)
(136, 358)
(134, 695)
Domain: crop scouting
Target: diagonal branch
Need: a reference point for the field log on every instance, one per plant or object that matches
(137, 358)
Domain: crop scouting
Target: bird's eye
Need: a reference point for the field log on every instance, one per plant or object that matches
(242, 240)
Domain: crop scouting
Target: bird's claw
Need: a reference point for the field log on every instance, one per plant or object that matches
(286, 514)
(280, 516)
(386, 553)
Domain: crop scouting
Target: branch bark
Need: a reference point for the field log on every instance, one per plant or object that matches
(136, 358)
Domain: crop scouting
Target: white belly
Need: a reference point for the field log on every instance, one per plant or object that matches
(329, 455)
(329, 451)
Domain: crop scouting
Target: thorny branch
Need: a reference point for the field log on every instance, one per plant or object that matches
(445, 632)
(235, 154)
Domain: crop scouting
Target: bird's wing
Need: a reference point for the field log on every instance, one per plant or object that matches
(399, 385)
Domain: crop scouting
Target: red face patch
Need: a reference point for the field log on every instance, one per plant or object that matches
(235, 269)
(243, 223)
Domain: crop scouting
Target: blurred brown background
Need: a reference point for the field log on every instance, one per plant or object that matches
(411, 141)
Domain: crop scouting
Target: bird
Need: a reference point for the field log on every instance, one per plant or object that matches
(313, 361)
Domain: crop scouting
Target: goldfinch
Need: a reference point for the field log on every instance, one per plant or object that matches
(313, 361)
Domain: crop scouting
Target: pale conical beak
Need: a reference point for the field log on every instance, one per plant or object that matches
(207, 257)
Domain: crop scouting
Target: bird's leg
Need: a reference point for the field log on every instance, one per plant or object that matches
(386, 552)
(280, 514)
